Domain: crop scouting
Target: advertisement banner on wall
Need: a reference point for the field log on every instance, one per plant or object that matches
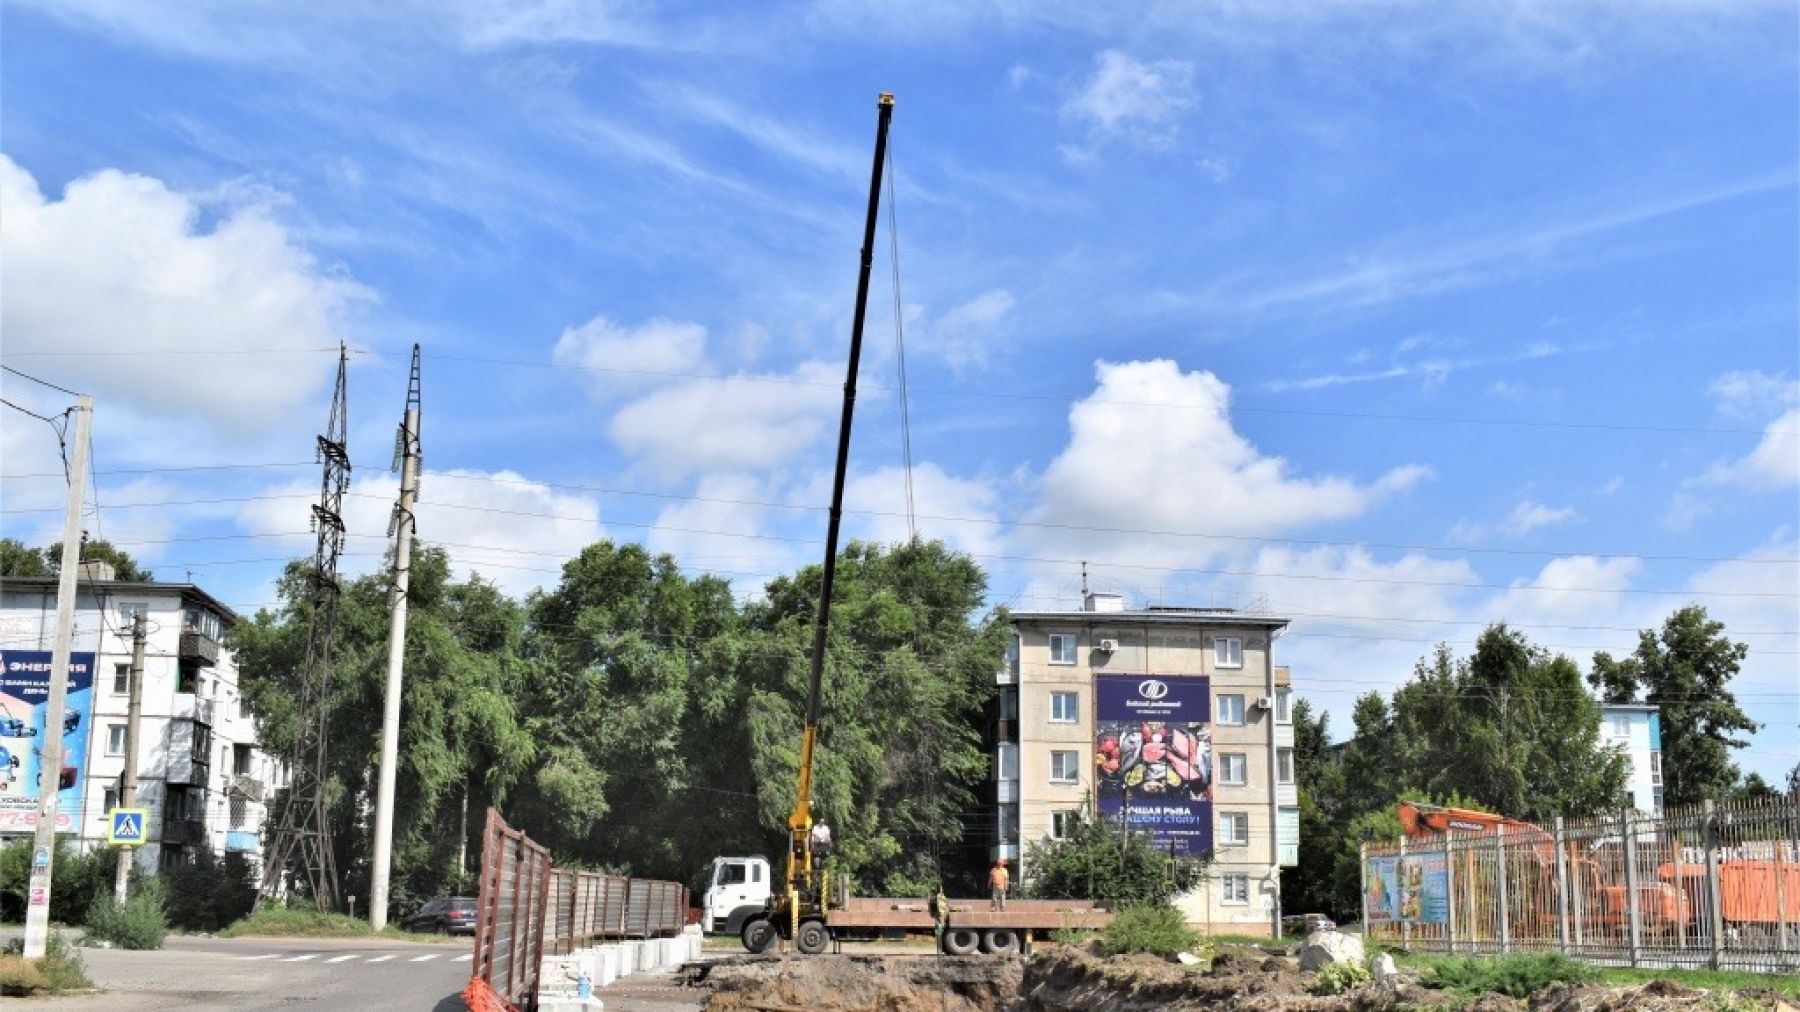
(24, 702)
(1153, 757)
(1408, 889)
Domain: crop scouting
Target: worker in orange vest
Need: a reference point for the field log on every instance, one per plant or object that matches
(998, 880)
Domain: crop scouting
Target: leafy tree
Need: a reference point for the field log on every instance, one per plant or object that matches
(1754, 788)
(1685, 671)
(100, 550)
(1319, 780)
(18, 560)
(1101, 859)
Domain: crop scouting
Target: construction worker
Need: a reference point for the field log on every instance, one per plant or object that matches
(998, 879)
(940, 912)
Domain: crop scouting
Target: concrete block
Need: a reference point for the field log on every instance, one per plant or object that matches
(607, 960)
(623, 953)
(645, 957)
(568, 1003)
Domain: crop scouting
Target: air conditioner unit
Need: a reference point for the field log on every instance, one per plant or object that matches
(1265, 702)
(1108, 646)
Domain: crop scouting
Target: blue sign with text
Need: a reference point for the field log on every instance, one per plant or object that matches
(1153, 757)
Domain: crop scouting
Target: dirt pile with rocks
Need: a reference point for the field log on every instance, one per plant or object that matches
(865, 984)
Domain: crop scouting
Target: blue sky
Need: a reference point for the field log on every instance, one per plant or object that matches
(1395, 317)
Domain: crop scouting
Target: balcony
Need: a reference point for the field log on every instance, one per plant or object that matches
(242, 841)
(184, 832)
(187, 772)
(1006, 792)
(198, 709)
(198, 647)
(241, 786)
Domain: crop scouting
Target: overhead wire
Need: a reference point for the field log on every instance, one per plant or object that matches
(912, 528)
(34, 379)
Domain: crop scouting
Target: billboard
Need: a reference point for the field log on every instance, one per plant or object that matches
(1408, 888)
(1153, 757)
(24, 698)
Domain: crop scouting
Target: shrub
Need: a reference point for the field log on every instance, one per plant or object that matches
(61, 969)
(1336, 978)
(1516, 976)
(1154, 928)
(297, 921)
(138, 923)
(74, 877)
(20, 977)
(209, 893)
(1097, 859)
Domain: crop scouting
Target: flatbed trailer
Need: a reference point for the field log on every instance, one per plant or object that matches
(970, 926)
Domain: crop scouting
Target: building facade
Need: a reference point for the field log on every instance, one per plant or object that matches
(1175, 720)
(1636, 730)
(202, 777)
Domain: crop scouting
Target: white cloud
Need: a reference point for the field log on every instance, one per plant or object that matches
(122, 262)
(742, 422)
(619, 357)
(521, 530)
(714, 531)
(1126, 471)
(1773, 465)
(1140, 102)
(961, 512)
(1751, 393)
(1568, 588)
(965, 335)
(1216, 169)
(1529, 516)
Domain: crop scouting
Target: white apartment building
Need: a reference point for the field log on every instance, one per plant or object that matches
(1636, 730)
(202, 777)
(1174, 719)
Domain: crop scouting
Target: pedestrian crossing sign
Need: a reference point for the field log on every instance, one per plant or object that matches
(125, 827)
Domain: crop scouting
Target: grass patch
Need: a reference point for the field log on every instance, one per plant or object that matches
(305, 922)
(1710, 980)
(1516, 976)
(60, 970)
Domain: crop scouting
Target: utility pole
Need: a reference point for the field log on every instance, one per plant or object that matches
(134, 711)
(409, 451)
(43, 848)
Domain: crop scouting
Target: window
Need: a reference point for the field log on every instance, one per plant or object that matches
(1062, 707)
(756, 873)
(1062, 824)
(1062, 648)
(1234, 890)
(128, 613)
(1656, 800)
(115, 739)
(1231, 709)
(243, 707)
(732, 874)
(1009, 704)
(243, 762)
(1065, 767)
(200, 620)
(1284, 765)
(1234, 829)
(109, 799)
(1228, 651)
(202, 749)
(240, 813)
(1007, 762)
(1283, 713)
(121, 679)
(1621, 725)
(187, 676)
(1008, 827)
(1656, 769)
(1232, 768)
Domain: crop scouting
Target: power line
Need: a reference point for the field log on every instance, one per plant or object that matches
(34, 379)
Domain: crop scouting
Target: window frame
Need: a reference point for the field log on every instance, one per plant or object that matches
(109, 798)
(1243, 766)
(1074, 700)
(1238, 819)
(1234, 896)
(1074, 776)
(121, 684)
(124, 731)
(1284, 705)
(1074, 648)
(1284, 765)
(1219, 709)
(1656, 772)
(1063, 822)
(1223, 647)
(1001, 766)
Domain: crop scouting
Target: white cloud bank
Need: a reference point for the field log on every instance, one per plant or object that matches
(1131, 100)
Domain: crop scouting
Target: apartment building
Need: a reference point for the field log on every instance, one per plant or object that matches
(1636, 730)
(202, 776)
(1175, 720)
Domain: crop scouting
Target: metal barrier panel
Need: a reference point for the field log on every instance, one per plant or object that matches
(1716, 885)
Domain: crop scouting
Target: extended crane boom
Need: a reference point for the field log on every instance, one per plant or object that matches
(804, 891)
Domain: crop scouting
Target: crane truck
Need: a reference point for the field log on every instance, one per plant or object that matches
(742, 896)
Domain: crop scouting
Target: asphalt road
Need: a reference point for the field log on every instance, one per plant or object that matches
(275, 973)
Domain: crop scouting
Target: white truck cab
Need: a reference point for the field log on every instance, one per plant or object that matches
(737, 885)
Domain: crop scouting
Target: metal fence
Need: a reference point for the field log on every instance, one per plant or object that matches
(527, 908)
(1713, 886)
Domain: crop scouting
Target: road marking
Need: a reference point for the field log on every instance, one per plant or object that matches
(340, 959)
(427, 956)
(382, 959)
(271, 955)
(464, 958)
(301, 958)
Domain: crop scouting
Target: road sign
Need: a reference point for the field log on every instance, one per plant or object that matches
(125, 827)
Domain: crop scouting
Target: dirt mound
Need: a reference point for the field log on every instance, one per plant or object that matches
(1071, 980)
(865, 984)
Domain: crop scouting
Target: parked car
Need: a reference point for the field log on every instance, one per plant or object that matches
(1306, 924)
(451, 914)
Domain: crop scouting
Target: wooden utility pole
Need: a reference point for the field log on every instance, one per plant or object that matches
(134, 712)
(43, 847)
(409, 451)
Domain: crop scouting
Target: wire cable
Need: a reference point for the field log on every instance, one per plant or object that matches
(912, 528)
(34, 379)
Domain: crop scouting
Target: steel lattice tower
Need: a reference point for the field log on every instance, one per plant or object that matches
(302, 837)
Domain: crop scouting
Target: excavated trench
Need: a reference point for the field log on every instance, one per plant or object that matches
(1064, 979)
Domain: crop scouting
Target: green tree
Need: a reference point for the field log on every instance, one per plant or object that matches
(1685, 671)
(100, 550)
(1100, 859)
(1319, 781)
(18, 560)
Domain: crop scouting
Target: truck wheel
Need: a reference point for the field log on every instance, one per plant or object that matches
(961, 941)
(812, 939)
(1000, 941)
(758, 935)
